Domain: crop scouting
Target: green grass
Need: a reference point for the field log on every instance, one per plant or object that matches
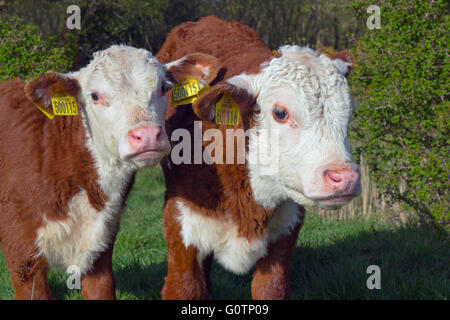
(329, 262)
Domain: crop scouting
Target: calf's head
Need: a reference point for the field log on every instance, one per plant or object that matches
(121, 97)
(305, 99)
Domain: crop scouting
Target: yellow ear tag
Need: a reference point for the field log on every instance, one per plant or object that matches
(227, 111)
(64, 105)
(185, 92)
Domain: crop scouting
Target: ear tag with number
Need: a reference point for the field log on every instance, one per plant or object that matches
(185, 92)
(64, 105)
(227, 111)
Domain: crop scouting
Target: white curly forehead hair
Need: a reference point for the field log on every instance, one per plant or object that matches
(301, 66)
(121, 65)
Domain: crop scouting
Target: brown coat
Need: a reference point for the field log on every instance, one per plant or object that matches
(218, 192)
(43, 165)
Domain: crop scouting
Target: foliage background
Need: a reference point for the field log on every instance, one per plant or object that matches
(24, 53)
(402, 85)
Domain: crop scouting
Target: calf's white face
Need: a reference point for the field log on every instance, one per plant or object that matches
(123, 92)
(306, 99)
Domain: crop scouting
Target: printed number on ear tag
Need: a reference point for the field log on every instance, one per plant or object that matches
(185, 92)
(227, 111)
(64, 105)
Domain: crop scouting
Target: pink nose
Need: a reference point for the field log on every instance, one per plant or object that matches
(343, 180)
(144, 138)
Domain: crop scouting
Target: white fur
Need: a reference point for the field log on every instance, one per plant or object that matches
(220, 236)
(78, 239)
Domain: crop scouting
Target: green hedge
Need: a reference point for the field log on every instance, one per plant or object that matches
(24, 54)
(401, 82)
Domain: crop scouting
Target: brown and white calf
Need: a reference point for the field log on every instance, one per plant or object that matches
(237, 213)
(64, 182)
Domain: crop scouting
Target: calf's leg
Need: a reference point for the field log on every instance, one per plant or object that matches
(206, 267)
(30, 281)
(28, 272)
(271, 275)
(185, 277)
(98, 284)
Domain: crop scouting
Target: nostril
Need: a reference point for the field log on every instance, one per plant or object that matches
(334, 177)
(136, 137)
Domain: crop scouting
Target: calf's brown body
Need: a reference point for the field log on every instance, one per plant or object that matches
(43, 164)
(218, 191)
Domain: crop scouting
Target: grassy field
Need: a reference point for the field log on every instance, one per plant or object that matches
(329, 262)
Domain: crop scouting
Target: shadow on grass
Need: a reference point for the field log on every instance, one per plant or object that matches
(413, 261)
(137, 281)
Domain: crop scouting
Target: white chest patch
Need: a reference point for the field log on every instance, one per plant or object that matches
(78, 239)
(220, 236)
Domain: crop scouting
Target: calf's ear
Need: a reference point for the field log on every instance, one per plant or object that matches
(41, 89)
(343, 61)
(200, 66)
(205, 106)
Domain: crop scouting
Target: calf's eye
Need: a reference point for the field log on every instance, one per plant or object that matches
(280, 114)
(95, 96)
